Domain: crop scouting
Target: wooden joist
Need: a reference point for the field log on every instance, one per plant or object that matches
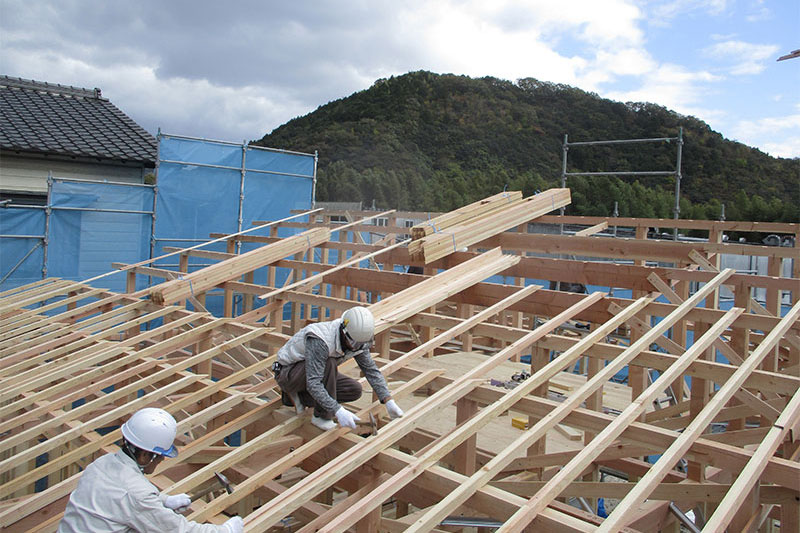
(402, 305)
(75, 360)
(231, 269)
(468, 212)
(474, 230)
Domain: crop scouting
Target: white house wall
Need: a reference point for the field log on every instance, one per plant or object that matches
(28, 174)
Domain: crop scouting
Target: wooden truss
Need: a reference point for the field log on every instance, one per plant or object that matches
(481, 446)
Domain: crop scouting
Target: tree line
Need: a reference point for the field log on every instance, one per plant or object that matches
(431, 142)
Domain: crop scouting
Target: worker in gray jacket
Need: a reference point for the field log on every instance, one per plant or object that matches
(306, 369)
(113, 496)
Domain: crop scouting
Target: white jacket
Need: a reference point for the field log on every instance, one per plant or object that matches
(295, 348)
(113, 496)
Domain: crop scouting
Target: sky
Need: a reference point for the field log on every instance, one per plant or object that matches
(237, 70)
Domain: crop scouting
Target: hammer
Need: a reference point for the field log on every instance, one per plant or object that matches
(220, 481)
(372, 425)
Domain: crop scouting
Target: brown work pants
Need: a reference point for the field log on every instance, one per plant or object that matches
(342, 388)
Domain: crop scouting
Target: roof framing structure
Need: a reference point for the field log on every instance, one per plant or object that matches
(693, 431)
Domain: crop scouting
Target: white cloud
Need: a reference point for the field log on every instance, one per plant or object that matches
(200, 68)
(672, 86)
(512, 39)
(282, 61)
(787, 147)
(626, 62)
(178, 105)
(778, 136)
(671, 9)
(746, 58)
(759, 12)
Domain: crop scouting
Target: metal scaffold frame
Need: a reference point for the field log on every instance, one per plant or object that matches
(565, 146)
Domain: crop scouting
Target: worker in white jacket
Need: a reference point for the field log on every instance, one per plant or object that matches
(306, 369)
(114, 496)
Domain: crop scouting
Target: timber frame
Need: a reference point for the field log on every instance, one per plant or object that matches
(76, 360)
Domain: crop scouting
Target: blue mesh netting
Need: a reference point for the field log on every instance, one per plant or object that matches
(195, 200)
(199, 188)
(21, 257)
(83, 244)
(94, 224)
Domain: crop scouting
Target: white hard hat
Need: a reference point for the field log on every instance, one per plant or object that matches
(359, 324)
(152, 430)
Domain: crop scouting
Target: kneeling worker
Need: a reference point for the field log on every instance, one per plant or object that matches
(113, 496)
(306, 369)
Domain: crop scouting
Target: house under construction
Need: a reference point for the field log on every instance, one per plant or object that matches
(661, 393)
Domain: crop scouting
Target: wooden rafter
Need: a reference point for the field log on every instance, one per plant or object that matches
(75, 359)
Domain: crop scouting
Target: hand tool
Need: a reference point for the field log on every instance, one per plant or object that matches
(220, 482)
(371, 424)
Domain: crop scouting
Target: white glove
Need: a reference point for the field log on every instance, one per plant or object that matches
(346, 418)
(393, 409)
(234, 525)
(178, 502)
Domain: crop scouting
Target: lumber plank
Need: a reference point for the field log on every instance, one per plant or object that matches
(458, 216)
(472, 231)
(209, 277)
(619, 517)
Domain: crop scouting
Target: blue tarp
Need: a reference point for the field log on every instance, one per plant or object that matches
(25, 252)
(200, 182)
(83, 244)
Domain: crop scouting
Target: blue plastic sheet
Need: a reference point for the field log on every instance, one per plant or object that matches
(84, 243)
(204, 185)
(21, 257)
(200, 182)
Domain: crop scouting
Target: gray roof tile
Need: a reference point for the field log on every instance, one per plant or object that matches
(58, 119)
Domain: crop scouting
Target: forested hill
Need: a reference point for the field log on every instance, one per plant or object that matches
(431, 142)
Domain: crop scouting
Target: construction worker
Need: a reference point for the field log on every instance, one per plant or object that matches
(113, 496)
(306, 369)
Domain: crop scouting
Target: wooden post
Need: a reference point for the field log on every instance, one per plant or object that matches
(595, 403)
(746, 511)
(465, 311)
(679, 335)
(540, 357)
(466, 453)
(370, 523)
(228, 302)
(740, 341)
(383, 343)
(637, 375)
(249, 299)
(183, 266)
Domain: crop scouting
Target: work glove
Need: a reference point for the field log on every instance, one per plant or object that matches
(178, 503)
(346, 418)
(234, 525)
(393, 409)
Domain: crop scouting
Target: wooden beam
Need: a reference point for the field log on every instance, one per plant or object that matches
(211, 276)
(461, 432)
(437, 245)
(399, 306)
(466, 213)
(631, 413)
(621, 514)
(752, 472)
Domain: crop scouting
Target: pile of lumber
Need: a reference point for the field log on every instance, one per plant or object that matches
(463, 214)
(450, 232)
(402, 305)
(230, 269)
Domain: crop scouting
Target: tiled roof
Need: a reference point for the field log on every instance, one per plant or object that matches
(57, 119)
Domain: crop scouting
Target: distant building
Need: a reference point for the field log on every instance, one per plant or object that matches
(69, 132)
